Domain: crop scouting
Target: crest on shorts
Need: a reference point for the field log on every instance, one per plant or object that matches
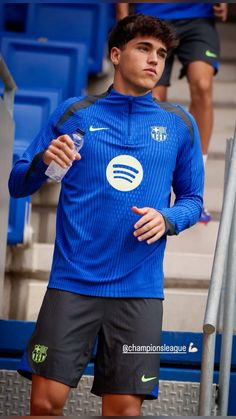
(158, 133)
(39, 353)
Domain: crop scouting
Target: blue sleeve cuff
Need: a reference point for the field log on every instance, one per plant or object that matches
(170, 227)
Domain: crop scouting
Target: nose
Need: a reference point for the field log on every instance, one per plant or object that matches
(152, 57)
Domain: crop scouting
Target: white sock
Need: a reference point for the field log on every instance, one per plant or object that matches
(204, 156)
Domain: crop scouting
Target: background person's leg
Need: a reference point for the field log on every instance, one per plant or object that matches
(47, 397)
(200, 77)
(121, 405)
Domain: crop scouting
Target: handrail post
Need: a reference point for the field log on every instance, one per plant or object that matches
(9, 86)
(207, 370)
(228, 321)
(213, 300)
(221, 247)
(6, 140)
(228, 153)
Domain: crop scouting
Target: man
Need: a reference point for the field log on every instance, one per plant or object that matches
(198, 52)
(112, 221)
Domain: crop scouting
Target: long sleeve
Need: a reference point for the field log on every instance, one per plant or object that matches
(28, 174)
(188, 180)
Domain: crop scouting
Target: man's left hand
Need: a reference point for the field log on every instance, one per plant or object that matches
(151, 225)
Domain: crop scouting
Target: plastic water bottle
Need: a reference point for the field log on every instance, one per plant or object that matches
(54, 170)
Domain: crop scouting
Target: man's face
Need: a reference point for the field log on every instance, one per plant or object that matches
(138, 65)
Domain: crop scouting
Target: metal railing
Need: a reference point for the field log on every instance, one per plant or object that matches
(224, 269)
(9, 86)
(6, 143)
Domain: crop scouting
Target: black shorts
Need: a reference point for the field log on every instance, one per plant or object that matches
(198, 41)
(127, 330)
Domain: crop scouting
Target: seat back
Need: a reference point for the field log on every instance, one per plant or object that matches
(72, 22)
(47, 65)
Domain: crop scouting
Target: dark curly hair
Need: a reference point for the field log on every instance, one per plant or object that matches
(135, 25)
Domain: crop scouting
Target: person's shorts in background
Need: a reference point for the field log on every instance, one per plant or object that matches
(198, 41)
(66, 331)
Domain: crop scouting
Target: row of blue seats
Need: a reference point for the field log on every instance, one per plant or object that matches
(62, 22)
(49, 49)
(47, 65)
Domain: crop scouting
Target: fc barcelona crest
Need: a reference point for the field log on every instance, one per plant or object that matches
(158, 133)
(39, 353)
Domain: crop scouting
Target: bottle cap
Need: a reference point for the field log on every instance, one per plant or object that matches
(80, 131)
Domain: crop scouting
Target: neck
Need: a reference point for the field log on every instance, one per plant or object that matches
(129, 90)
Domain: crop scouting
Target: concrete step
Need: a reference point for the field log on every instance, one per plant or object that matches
(224, 87)
(189, 256)
(47, 195)
(184, 309)
(226, 73)
(43, 221)
(198, 239)
(214, 185)
(227, 36)
(43, 216)
(224, 126)
(27, 295)
(34, 260)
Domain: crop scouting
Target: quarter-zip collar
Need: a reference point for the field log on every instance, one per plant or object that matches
(120, 98)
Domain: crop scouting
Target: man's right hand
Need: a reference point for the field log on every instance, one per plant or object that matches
(61, 150)
(221, 11)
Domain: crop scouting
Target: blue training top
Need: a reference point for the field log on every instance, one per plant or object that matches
(176, 10)
(135, 149)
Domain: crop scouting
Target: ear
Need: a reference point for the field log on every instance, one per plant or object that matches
(115, 55)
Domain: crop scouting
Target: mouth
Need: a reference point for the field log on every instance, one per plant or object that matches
(150, 71)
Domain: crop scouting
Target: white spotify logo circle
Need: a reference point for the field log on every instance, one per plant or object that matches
(124, 173)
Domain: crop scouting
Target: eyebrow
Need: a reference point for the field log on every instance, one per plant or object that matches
(149, 44)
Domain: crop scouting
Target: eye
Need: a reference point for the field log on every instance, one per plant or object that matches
(143, 48)
(162, 54)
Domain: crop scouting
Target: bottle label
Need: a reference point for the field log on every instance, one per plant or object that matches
(56, 172)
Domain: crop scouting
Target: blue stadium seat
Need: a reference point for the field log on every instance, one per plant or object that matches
(1, 17)
(47, 65)
(111, 16)
(14, 16)
(69, 22)
(31, 112)
(18, 209)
